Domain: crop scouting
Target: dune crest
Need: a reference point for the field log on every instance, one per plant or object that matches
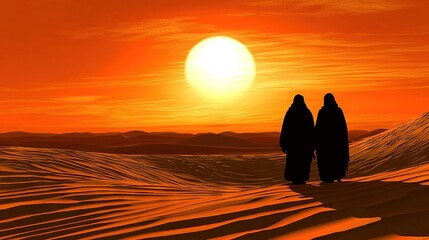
(401, 147)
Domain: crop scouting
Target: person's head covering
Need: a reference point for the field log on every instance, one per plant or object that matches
(329, 100)
(298, 101)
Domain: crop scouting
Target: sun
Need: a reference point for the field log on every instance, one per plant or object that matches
(220, 68)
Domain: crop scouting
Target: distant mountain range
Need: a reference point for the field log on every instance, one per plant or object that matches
(356, 135)
(141, 142)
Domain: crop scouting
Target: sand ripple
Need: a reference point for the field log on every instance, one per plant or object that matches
(65, 194)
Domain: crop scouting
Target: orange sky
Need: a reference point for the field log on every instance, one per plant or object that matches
(104, 65)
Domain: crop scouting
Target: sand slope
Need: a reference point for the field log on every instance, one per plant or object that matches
(66, 194)
(401, 147)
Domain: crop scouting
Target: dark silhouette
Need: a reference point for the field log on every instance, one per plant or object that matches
(297, 141)
(332, 144)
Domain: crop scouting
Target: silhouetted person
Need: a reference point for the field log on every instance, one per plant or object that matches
(332, 144)
(297, 141)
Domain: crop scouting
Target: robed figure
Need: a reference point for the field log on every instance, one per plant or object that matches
(297, 141)
(332, 144)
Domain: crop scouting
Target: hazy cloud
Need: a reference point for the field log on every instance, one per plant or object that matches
(331, 7)
(157, 28)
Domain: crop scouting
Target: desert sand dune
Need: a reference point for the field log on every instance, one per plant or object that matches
(404, 146)
(68, 194)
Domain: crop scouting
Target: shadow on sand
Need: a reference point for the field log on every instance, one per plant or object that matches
(393, 208)
(403, 208)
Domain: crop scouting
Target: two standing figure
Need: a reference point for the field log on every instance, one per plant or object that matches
(299, 138)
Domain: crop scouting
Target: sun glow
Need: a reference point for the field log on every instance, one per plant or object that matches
(220, 68)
